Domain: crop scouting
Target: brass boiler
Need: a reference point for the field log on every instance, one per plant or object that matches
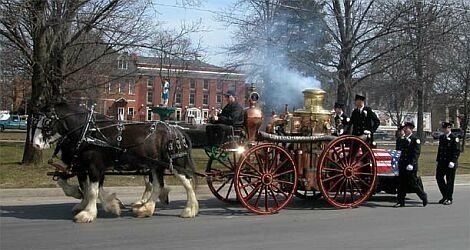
(311, 119)
(253, 116)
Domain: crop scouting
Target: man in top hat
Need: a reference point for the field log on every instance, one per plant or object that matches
(408, 180)
(231, 115)
(364, 121)
(341, 120)
(447, 157)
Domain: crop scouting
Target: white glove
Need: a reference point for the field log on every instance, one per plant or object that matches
(409, 167)
(341, 131)
(366, 132)
(451, 165)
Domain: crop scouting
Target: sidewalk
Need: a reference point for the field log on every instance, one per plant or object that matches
(134, 192)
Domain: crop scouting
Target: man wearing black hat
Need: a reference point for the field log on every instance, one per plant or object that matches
(364, 121)
(231, 115)
(447, 157)
(408, 180)
(341, 120)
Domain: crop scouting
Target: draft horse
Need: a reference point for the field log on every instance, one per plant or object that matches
(91, 144)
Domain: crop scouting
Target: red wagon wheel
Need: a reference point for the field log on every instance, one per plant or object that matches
(347, 172)
(266, 179)
(222, 170)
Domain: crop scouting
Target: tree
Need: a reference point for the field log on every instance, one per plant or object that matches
(49, 33)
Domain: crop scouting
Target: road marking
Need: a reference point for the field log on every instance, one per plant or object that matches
(463, 184)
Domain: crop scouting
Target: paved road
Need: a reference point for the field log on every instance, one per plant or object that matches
(44, 222)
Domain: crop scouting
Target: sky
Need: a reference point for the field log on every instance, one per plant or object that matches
(215, 35)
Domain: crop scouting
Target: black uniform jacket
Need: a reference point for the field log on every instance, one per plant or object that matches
(410, 148)
(448, 151)
(232, 114)
(365, 120)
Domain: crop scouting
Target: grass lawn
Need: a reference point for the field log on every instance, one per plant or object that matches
(15, 175)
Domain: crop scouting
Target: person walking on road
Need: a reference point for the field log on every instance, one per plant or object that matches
(446, 163)
(408, 179)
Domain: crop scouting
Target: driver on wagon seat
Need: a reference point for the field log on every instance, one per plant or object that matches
(221, 125)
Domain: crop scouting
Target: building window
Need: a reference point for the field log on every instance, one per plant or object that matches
(219, 84)
(192, 83)
(121, 87)
(178, 98)
(122, 63)
(131, 87)
(150, 82)
(219, 99)
(149, 96)
(178, 114)
(113, 87)
(192, 98)
(130, 113)
(206, 84)
(149, 114)
(205, 99)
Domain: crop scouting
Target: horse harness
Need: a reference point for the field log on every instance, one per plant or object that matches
(176, 147)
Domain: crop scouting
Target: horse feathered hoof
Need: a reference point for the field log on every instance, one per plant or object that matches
(84, 217)
(113, 205)
(144, 210)
(190, 211)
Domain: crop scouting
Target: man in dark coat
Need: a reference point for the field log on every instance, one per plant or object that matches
(221, 125)
(447, 157)
(408, 180)
(363, 120)
(340, 119)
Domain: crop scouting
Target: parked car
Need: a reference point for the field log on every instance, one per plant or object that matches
(381, 135)
(458, 132)
(13, 122)
(436, 134)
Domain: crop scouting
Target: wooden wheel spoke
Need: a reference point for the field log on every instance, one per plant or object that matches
(223, 184)
(250, 175)
(283, 173)
(229, 189)
(252, 193)
(363, 173)
(280, 165)
(332, 169)
(344, 190)
(280, 191)
(273, 161)
(274, 196)
(283, 181)
(333, 162)
(265, 198)
(339, 158)
(339, 189)
(252, 184)
(359, 190)
(335, 184)
(362, 157)
(367, 164)
(259, 195)
(343, 149)
(260, 163)
(362, 181)
(253, 167)
(332, 177)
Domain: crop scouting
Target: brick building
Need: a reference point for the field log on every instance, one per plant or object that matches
(193, 85)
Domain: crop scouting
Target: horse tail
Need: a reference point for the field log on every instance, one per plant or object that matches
(190, 167)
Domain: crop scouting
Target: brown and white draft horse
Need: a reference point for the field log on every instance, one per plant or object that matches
(91, 144)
